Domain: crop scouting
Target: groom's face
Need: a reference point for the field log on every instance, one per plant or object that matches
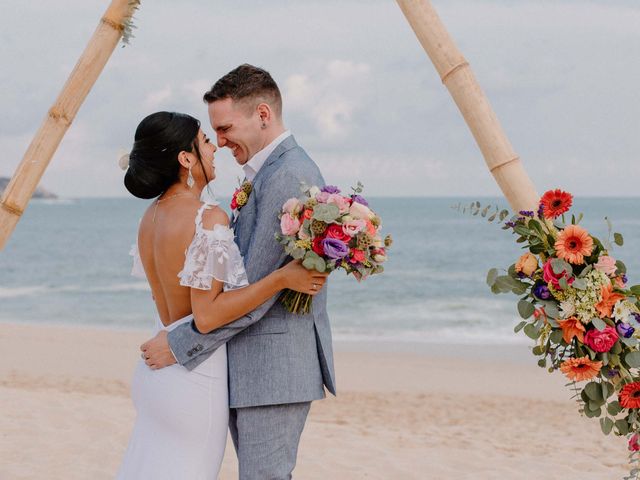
(237, 127)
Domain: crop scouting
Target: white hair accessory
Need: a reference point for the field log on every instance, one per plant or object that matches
(123, 161)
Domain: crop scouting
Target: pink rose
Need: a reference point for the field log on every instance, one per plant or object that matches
(550, 277)
(606, 264)
(601, 341)
(292, 206)
(339, 201)
(322, 197)
(357, 256)
(289, 225)
(359, 211)
(353, 227)
(634, 444)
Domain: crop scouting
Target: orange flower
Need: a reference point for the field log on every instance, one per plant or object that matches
(579, 369)
(609, 299)
(629, 396)
(573, 244)
(555, 202)
(572, 327)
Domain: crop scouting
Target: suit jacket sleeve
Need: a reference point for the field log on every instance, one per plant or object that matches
(264, 255)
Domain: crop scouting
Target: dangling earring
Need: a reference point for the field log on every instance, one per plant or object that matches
(190, 181)
(264, 125)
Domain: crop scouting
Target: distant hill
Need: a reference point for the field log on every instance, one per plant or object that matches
(39, 193)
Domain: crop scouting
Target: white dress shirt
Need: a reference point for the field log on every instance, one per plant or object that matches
(253, 166)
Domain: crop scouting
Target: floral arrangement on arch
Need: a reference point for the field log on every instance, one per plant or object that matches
(577, 307)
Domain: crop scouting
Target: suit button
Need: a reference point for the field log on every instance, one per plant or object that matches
(190, 353)
(199, 347)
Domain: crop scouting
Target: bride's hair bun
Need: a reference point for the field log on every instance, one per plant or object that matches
(153, 161)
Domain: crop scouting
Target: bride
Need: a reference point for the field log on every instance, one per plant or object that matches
(188, 255)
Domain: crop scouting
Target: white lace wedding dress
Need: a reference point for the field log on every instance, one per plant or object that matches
(182, 416)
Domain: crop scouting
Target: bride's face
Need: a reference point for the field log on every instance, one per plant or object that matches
(207, 154)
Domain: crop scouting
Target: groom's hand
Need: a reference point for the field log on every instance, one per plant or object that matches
(156, 352)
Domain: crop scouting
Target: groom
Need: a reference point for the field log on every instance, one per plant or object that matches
(278, 361)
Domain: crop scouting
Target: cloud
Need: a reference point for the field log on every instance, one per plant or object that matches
(330, 95)
(154, 100)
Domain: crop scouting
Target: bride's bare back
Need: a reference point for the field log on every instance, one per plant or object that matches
(166, 230)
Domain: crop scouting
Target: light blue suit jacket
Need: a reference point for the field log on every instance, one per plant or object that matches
(275, 357)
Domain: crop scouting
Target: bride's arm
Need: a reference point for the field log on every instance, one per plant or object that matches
(215, 308)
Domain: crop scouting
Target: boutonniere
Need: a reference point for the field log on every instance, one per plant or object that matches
(241, 196)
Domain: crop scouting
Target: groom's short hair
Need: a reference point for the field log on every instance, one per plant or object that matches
(247, 84)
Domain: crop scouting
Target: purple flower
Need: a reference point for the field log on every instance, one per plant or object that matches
(612, 372)
(541, 291)
(624, 278)
(526, 213)
(330, 189)
(334, 248)
(540, 211)
(624, 329)
(636, 316)
(510, 224)
(360, 200)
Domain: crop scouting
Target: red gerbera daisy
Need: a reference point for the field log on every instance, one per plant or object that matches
(555, 202)
(630, 395)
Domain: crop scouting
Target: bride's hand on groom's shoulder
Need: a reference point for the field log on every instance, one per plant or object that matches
(156, 352)
(298, 278)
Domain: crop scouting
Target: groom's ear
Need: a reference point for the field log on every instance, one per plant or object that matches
(264, 112)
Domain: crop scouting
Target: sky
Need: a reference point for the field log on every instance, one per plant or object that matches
(360, 94)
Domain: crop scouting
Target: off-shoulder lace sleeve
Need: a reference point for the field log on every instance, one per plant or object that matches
(137, 270)
(213, 254)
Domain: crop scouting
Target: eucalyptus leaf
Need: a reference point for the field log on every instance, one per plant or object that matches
(595, 405)
(531, 331)
(621, 267)
(558, 266)
(607, 389)
(606, 424)
(563, 283)
(326, 212)
(519, 327)
(598, 323)
(614, 408)
(630, 342)
(525, 309)
(579, 284)
(622, 426)
(635, 289)
(491, 276)
(593, 391)
(617, 239)
(556, 336)
(633, 359)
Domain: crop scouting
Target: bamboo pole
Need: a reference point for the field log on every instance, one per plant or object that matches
(58, 119)
(457, 76)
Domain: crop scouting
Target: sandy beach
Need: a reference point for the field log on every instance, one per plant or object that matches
(401, 413)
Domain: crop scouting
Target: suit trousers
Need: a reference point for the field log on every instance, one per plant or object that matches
(266, 439)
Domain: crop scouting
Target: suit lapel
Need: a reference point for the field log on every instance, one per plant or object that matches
(243, 224)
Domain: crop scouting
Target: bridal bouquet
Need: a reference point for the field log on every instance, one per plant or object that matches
(577, 307)
(328, 230)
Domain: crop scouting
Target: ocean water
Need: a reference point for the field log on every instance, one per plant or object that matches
(68, 262)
